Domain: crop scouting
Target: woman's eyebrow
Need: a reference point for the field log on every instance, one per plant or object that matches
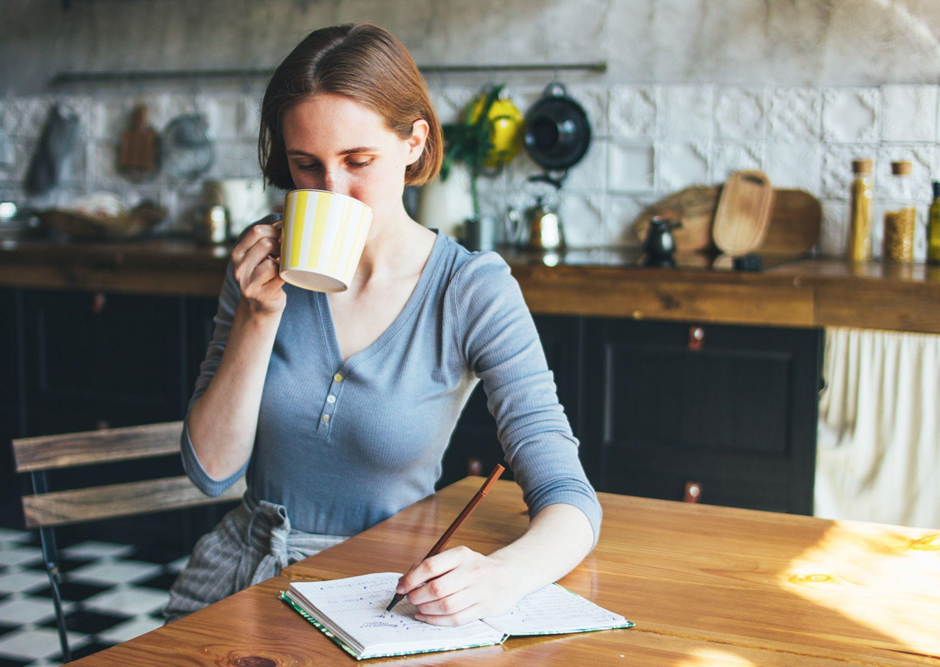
(348, 151)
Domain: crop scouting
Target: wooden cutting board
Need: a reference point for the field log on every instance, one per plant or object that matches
(794, 221)
(138, 152)
(742, 218)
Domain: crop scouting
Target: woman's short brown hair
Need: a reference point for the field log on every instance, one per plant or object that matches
(363, 62)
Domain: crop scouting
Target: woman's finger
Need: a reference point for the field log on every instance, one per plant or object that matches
(433, 567)
(448, 604)
(264, 272)
(472, 613)
(255, 255)
(254, 235)
(447, 584)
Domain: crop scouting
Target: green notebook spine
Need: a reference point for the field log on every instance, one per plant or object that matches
(336, 640)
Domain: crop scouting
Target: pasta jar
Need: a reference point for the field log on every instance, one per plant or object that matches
(859, 244)
(899, 223)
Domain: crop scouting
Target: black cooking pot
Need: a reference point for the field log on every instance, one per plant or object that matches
(557, 131)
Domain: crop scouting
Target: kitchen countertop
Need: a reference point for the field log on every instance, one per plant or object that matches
(599, 282)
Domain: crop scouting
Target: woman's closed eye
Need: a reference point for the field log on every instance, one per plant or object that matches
(316, 166)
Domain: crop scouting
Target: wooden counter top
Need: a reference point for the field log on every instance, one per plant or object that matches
(603, 283)
(704, 585)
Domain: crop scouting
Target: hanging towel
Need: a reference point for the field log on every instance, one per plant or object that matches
(878, 452)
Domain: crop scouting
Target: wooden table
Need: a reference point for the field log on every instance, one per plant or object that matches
(705, 586)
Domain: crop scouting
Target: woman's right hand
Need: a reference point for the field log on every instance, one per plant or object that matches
(257, 259)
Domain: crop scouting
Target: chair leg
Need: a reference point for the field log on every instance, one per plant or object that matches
(50, 557)
(47, 537)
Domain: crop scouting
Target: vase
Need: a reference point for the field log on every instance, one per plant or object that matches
(445, 205)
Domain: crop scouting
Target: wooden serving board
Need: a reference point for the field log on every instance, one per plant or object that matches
(743, 214)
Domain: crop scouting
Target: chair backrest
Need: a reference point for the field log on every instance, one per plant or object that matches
(56, 508)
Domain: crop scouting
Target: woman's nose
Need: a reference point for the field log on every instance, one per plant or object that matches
(335, 181)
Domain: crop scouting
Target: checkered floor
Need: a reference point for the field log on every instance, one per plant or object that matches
(111, 593)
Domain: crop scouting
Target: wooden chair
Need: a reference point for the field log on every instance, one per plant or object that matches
(46, 509)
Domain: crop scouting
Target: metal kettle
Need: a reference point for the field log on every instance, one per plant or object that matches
(540, 225)
(544, 225)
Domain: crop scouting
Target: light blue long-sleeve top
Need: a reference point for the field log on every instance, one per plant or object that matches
(344, 445)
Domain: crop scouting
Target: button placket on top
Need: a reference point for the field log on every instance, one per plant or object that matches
(332, 401)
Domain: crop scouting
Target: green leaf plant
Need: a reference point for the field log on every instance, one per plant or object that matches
(469, 142)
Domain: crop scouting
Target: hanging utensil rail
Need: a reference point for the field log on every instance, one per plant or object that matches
(114, 76)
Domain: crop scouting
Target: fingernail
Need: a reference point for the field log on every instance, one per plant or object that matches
(419, 617)
(400, 589)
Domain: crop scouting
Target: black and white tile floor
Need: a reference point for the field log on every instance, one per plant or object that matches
(111, 593)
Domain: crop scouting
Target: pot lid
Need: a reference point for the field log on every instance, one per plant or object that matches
(558, 132)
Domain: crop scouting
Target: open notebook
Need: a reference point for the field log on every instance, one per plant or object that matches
(352, 613)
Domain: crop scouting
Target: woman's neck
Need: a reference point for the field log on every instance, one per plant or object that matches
(390, 245)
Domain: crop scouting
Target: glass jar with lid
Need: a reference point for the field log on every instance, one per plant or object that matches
(899, 223)
(859, 244)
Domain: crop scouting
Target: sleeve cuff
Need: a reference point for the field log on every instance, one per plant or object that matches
(198, 475)
(588, 505)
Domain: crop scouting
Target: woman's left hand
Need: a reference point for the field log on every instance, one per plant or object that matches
(466, 586)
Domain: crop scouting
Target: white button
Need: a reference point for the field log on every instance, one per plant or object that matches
(326, 418)
(331, 399)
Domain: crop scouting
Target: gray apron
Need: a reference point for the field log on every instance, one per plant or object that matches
(251, 543)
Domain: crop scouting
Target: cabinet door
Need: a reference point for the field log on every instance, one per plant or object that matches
(474, 447)
(11, 407)
(732, 409)
(86, 349)
(9, 340)
(11, 484)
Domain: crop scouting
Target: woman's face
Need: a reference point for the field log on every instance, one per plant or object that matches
(335, 143)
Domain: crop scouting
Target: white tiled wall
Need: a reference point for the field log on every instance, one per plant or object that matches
(661, 138)
(649, 140)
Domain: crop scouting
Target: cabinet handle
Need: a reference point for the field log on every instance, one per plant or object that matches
(693, 492)
(98, 302)
(475, 467)
(696, 338)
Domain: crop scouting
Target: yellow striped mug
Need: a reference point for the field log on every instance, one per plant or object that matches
(322, 239)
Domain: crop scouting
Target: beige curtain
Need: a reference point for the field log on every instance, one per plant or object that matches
(878, 454)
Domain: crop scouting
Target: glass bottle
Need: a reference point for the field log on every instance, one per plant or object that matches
(899, 224)
(933, 233)
(859, 245)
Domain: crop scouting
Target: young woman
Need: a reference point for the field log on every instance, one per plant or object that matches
(340, 406)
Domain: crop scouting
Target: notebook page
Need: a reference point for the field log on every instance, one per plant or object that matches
(355, 607)
(555, 610)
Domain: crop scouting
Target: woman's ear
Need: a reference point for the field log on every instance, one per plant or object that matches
(419, 136)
